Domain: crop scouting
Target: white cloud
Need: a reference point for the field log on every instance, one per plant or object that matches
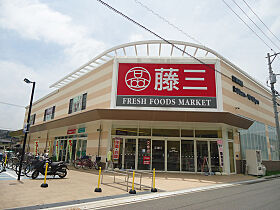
(15, 91)
(36, 21)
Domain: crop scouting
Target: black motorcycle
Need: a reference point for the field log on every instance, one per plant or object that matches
(54, 168)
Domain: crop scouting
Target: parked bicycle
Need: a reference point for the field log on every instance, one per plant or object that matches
(86, 163)
(1, 166)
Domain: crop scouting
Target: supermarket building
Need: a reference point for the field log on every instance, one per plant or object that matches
(157, 107)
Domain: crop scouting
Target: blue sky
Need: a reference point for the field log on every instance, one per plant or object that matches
(45, 40)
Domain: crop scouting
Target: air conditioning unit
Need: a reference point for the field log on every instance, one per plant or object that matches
(254, 163)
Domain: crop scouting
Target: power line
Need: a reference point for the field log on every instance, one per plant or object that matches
(255, 24)
(167, 21)
(248, 26)
(261, 20)
(200, 61)
(1, 102)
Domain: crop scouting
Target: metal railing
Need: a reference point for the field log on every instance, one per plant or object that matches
(127, 174)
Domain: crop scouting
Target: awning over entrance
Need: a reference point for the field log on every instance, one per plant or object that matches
(146, 115)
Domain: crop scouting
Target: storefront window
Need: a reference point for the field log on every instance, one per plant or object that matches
(187, 133)
(166, 132)
(74, 145)
(187, 155)
(54, 148)
(254, 139)
(274, 144)
(79, 146)
(230, 135)
(125, 131)
(231, 157)
(207, 134)
(84, 148)
(144, 132)
(62, 150)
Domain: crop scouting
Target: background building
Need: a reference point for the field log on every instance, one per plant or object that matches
(157, 107)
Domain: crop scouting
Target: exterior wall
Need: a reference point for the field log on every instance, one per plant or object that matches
(97, 84)
(237, 104)
(41, 138)
(93, 140)
(234, 103)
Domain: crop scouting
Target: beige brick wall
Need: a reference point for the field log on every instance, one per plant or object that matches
(97, 84)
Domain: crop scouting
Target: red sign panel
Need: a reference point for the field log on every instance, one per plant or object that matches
(171, 85)
(116, 150)
(71, 131)
(146, 160)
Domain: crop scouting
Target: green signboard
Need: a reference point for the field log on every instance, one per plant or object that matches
(81, 130)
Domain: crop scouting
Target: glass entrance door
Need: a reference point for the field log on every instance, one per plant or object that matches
(129, 153)
(158, 154)
(187, 155)
(202, 156)
(214, 153)
(144, 154)
(173, 155)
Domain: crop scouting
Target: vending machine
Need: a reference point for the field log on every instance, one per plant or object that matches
(254, 163)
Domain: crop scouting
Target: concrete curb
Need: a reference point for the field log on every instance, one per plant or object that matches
(123, 198)
(272, 176)
(74, 202)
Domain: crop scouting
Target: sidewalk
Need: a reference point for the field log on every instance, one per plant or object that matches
(80, 185)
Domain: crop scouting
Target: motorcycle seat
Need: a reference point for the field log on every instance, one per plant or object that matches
(56, 163)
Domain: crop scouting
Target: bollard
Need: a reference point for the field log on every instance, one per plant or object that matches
(45, 179)
(154, 181)
(132, 191)
(98, 189)
(4, 168)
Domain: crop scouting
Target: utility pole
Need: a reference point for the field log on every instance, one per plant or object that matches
(272, 78)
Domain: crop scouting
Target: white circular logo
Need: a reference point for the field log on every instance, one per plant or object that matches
(137, 78)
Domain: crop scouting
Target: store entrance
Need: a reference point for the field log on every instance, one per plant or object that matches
(173, 155)
(158, 155)
(202, 156)
(144, 154)
(129, 153)
(187, 155)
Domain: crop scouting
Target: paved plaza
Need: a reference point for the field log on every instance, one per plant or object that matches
(80, 184)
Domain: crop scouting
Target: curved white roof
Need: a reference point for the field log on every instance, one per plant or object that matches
(149, 48)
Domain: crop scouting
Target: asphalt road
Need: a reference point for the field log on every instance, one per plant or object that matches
(261, 195)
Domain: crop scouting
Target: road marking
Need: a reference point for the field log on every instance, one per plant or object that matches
(135, 199)
(15, 177)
